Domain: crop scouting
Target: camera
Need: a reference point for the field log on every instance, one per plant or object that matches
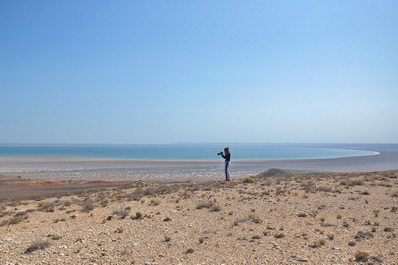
(219, 154)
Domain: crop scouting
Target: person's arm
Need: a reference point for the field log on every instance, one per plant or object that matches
(222, 154)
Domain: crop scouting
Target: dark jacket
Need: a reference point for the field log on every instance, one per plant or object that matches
(227, 156)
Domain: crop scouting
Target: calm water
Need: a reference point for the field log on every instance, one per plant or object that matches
(184, 151)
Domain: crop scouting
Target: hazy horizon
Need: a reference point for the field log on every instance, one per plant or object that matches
(143, 72)
(204, 143)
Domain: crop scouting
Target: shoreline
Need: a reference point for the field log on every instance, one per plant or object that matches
(71, 168)
(102, 159)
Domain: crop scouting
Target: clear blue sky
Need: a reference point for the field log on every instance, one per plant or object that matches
(198, 71)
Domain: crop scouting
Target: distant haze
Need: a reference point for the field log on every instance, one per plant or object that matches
(199, 71)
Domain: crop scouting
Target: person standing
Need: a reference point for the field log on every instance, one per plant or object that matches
(227, 156)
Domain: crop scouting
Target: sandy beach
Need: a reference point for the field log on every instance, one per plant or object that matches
(335, 218)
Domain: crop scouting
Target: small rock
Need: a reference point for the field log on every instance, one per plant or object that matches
(302, 260)
(189, 251)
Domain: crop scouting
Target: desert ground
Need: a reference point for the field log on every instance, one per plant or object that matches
(330, 218)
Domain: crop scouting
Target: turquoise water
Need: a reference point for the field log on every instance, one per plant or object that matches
(184, 151)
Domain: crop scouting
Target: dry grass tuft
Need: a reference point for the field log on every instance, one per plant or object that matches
(88, 206)
(36, 245)
(123, 213)
(205, 204)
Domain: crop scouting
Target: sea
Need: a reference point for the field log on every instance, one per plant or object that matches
(194, 152)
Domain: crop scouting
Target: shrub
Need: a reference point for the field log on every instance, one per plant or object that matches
(318, 243)
(154, 202)
(138, 215)
(361, 256)
(376, 213)
(201, 240)
(251, 179)
(207, 204)
(325, 189)
(39, 244)
(339, 216)
(357, 182)
(16, 219)
(122, 213)
(88, 206)
(215, 208)
(41, 203)
(254, 219)
(54, 237)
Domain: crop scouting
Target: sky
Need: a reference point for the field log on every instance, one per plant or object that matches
(199, 71)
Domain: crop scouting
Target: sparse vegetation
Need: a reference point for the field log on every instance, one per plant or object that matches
(215, 208)
(154, 202)
(88, 206)
(205, 204)
(254, 219)
(123, 213)
(318, 243)
(251, 179)
(253, 214)
(361, 256)
(41, 203)
(138, 215)
(36, 245)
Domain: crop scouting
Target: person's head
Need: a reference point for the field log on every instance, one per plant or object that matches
(226, 149)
